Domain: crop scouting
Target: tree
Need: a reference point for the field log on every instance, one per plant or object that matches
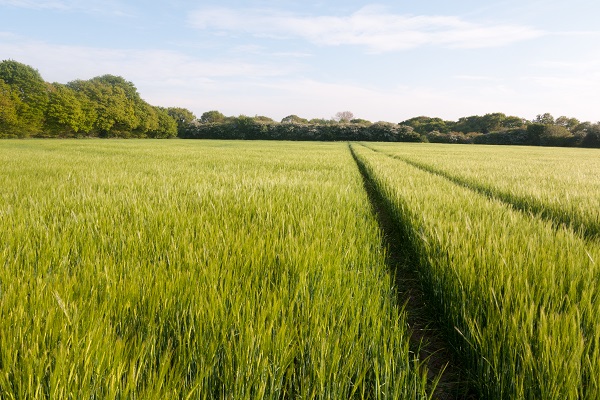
(114, 103)
(555, 135)
(294, 119)
(211, 117)
(492, 122)
(512, 122)
(166, 127)
(64, 115)
(360, 121)
(262, 118)
(424, 125)
(26, 85)
(344, 116)
(182, 116)
(148, 120)
(9, 104)
(544, 119)
(321, 121)
(592, 136)
(569, 123)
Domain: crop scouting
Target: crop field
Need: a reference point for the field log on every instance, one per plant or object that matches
(560, 185)
(187, 269)
(258, 270)
(518, 293)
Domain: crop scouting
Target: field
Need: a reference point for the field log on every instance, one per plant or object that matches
(244, 270)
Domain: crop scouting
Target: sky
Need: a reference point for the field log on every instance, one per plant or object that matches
(381, 60)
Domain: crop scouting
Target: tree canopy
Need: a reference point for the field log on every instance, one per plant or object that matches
(111, 106)
(104, 106)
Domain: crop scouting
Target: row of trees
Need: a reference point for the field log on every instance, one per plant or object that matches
(110, 106)
(496, 128)
(105, 106)
(254, 128)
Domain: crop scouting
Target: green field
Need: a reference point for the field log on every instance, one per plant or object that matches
(249, 270)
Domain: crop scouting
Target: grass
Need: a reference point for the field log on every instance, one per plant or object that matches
(560, 185)
(197, 270)
(517, 295)
(244, 270)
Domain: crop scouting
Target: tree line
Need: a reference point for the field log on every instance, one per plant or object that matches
(110, 106)
(105, 106)
(494, 128)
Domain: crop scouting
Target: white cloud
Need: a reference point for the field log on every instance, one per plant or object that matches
(106, 7)
(165, 78)
(37, 5)
(371, 27)
(64, 63)
(476, 78)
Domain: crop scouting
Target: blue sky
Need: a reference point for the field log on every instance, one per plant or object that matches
(382, 60)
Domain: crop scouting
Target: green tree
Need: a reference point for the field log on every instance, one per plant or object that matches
(544, 119)
(321, 121)
(555, 135)
(492, 122)
(570, 123)
(212, 117)
(512, 122)
(147, 116)
(26, 85)
(64, 115)
(182, 116)
(167, 125)
(294, 119)
(592, 136)
(114, 102)
(9, 105)
(424, 125)
(262, 118)
(360, 121)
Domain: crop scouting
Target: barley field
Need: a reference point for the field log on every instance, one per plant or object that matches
(557, 184)
(197, 270)
(518, 294)
(141, 269)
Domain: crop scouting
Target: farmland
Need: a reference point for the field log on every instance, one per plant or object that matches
(192, 269)
(242, 270)
(518, 293)
(560, 185)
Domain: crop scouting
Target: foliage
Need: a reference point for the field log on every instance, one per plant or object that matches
(424, 125)
(452, 137)
(360, 121)
(212, 117)
(294, 119)
(182, 116)
(105, 106)
(592, 136)
(544, 119)
(110, 106)
(249, 128)
(9, 105)
(27, 94)
(64, 115)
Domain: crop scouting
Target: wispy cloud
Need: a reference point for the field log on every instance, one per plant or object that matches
(107, 7)
(38, 5)
(66, 63)
(371, 27)
(474, 78)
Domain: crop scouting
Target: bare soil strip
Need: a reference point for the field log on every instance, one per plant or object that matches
(426, 337)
